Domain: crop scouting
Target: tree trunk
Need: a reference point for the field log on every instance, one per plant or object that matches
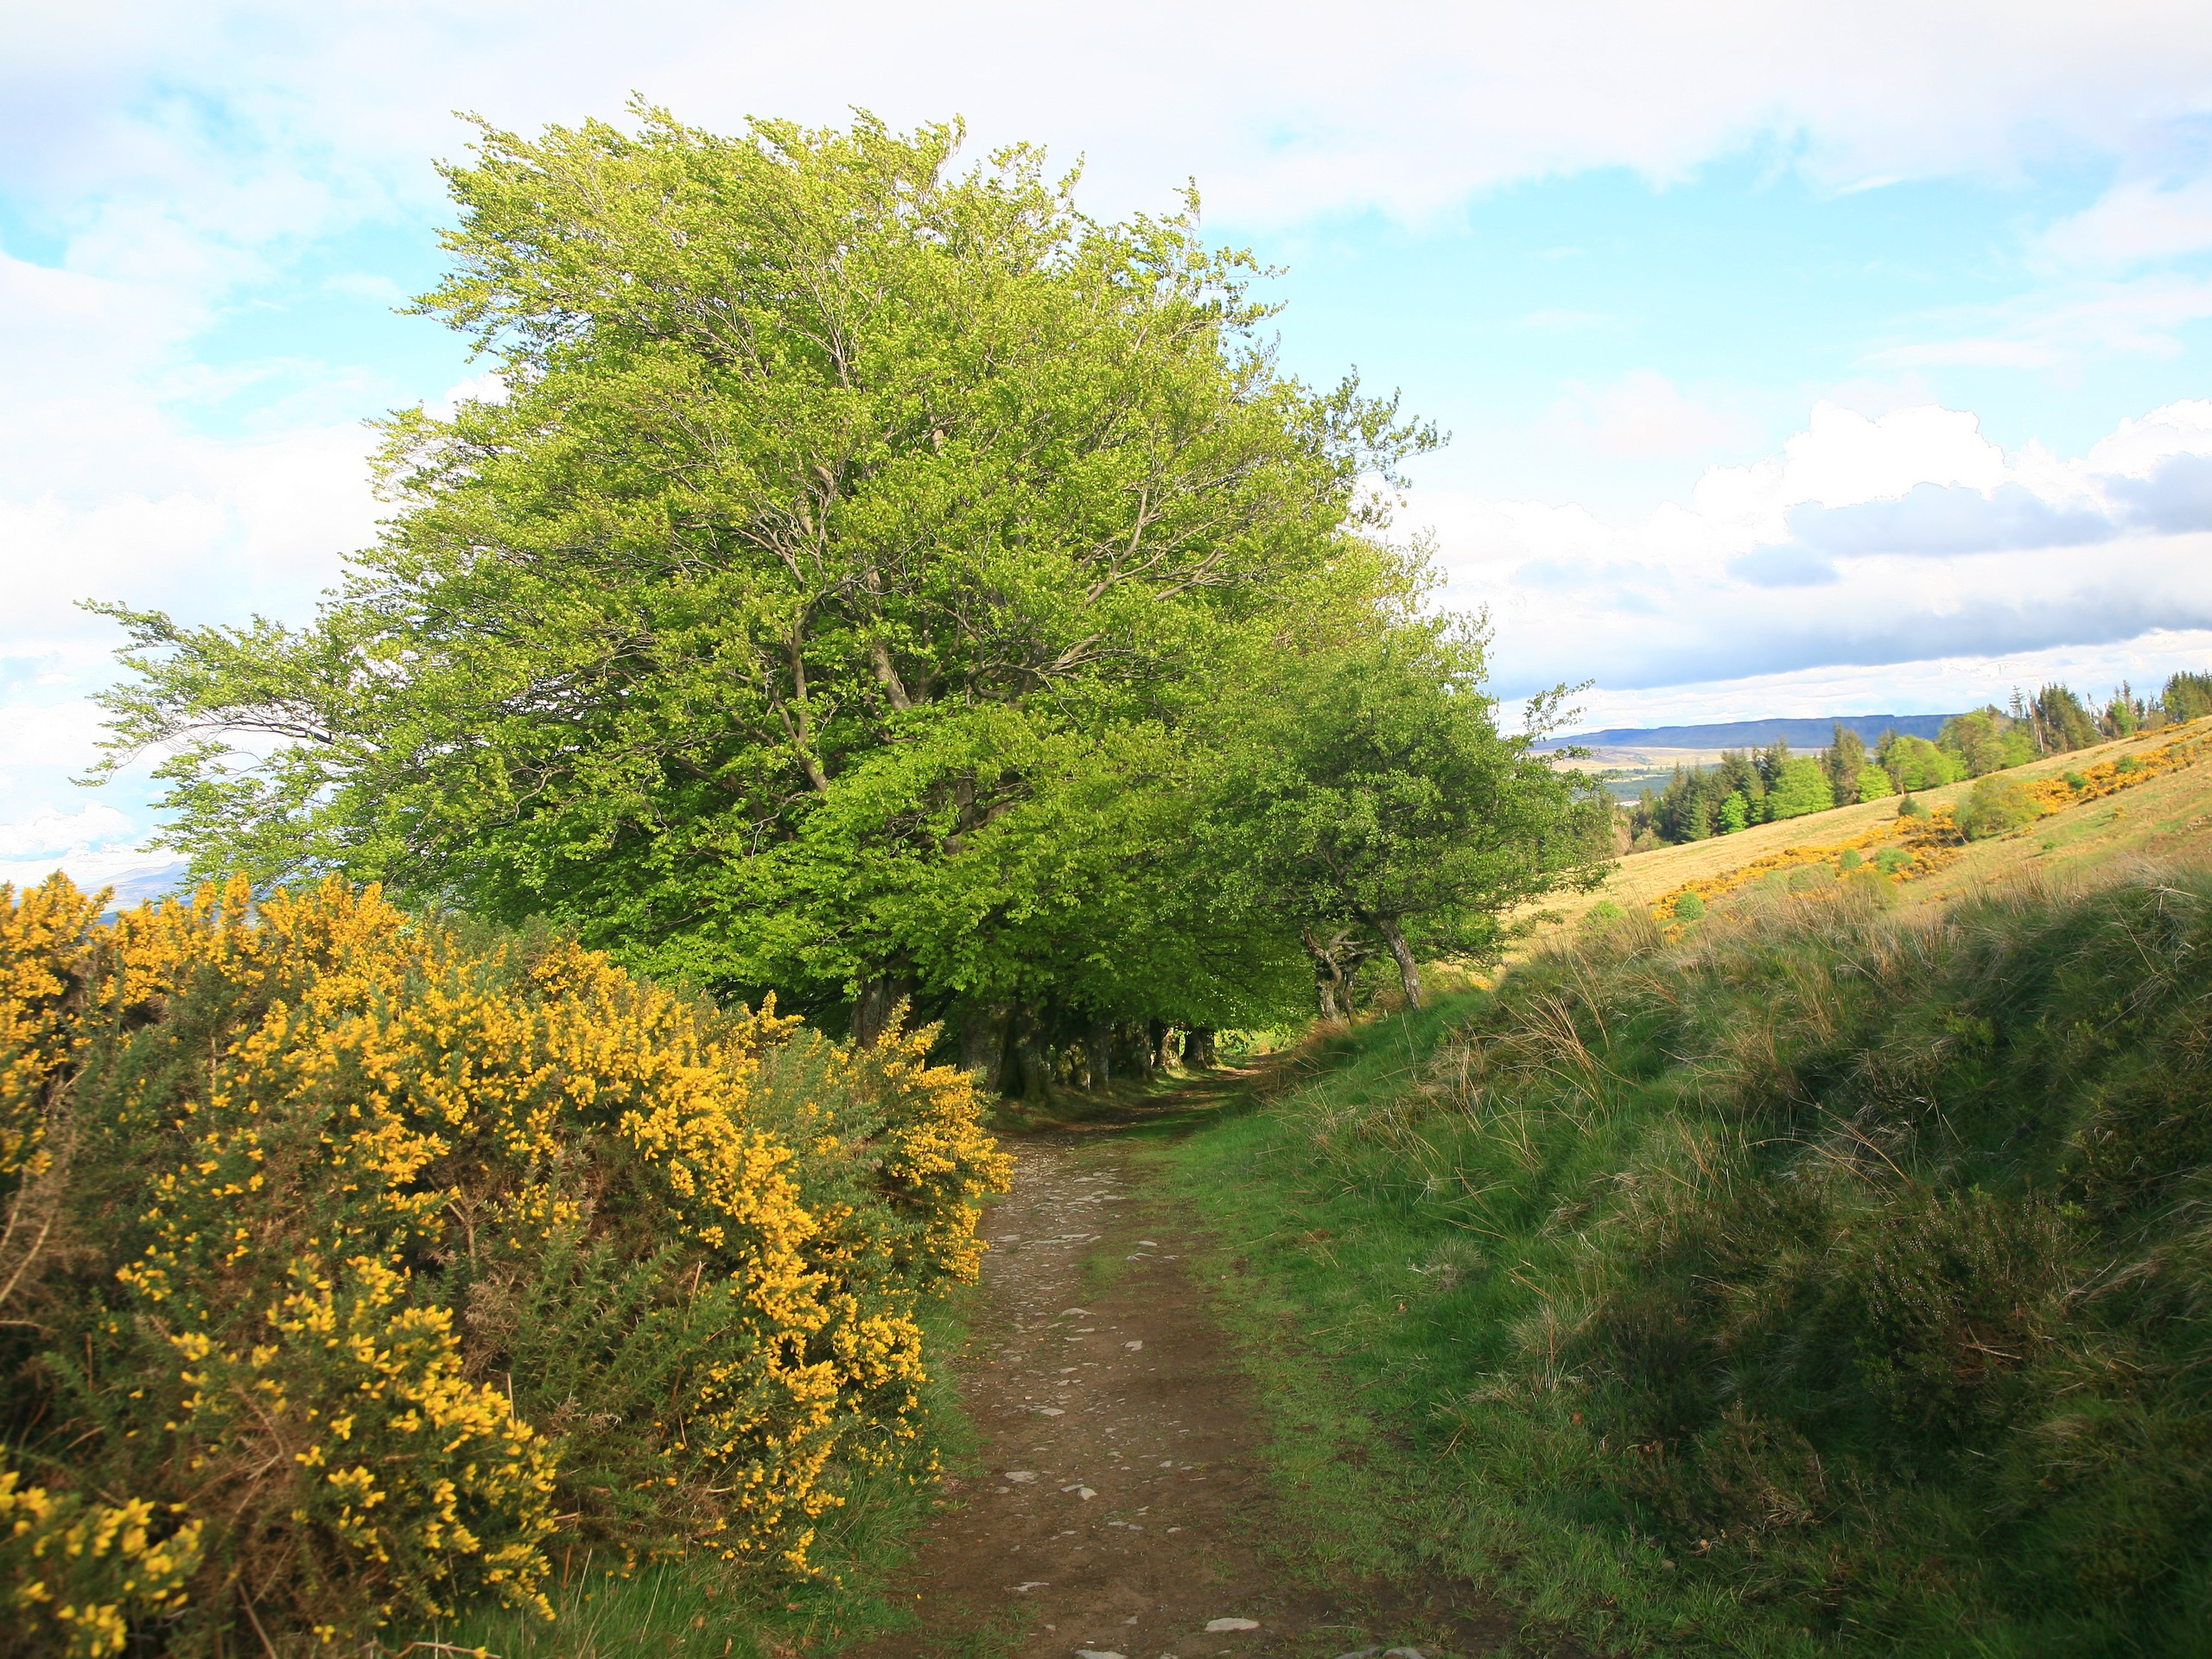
(982, 1046)
(1336, 966)
(873, 1008)
(1133, 1050)
(1198, 1048)
(1402, 954)
(1328, 974)
(1158, 1033)
(1033, 1080)
(1324, 990)
(1098, 1051)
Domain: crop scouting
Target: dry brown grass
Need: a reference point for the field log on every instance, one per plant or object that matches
(2168, 815)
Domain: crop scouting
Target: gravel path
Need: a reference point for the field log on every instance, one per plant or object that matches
(1121, 1509)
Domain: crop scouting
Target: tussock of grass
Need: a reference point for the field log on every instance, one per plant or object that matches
(1830, 1279)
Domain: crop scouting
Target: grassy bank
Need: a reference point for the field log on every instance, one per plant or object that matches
(1833, 1279)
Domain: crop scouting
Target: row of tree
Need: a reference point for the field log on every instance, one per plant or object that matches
(880, 585)
(1762, 785)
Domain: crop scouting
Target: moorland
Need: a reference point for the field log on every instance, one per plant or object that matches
(886, 981)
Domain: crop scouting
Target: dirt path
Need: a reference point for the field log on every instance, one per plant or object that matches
(1121, 1509)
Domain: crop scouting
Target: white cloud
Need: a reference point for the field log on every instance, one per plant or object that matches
(1641, 417)
(252, 526)
(51, 832)
(1843, 456)
(2137, 221)
(2136, 446)
(1284, 109)
(2068, 322)
(1941, 685)
(1868, 542)
(1939, 520)
(60, 735)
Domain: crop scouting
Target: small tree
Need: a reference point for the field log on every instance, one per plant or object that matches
(1378, 792)
(1738, 774)
(1915, 763)
(1770, 761)
(2059, 722)
(1976, 741)
(2187, 696)
(1799, 786)
(1845, 758)
(1997, 806)
(1697, 817)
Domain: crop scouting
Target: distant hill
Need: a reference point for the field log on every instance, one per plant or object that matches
(2168, 817)
(1808, 734)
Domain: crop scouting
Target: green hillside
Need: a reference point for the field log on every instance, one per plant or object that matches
(2151, 797)
(1828, 1275)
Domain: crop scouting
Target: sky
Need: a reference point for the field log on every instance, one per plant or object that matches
(1798, 359)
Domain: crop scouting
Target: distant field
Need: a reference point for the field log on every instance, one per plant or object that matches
(1626, 773)
(1805, 733)
(1659, 761)
(2168, 816)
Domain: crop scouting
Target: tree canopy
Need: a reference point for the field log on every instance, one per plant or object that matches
(1374, 794)
(837, 595)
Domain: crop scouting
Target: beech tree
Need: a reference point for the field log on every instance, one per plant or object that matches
(821, 601)
(1374, 797)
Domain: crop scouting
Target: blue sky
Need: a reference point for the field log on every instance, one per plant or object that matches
(1796, 361)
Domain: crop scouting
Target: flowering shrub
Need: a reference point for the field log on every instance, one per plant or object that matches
(377, 1251)
(74, 1573)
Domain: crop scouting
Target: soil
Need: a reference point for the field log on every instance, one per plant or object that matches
(1119, 1502)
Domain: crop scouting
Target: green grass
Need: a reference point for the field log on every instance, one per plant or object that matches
(1829, 1282)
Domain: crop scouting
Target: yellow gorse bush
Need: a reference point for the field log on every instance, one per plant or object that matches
(74, 1574)
(419, 1246)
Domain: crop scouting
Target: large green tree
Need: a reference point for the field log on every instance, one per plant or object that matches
(821, 602)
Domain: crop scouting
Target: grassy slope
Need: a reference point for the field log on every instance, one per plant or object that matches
(1592, 1292)
(2154, 820)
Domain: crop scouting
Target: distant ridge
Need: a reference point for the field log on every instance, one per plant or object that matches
(1808, 734)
